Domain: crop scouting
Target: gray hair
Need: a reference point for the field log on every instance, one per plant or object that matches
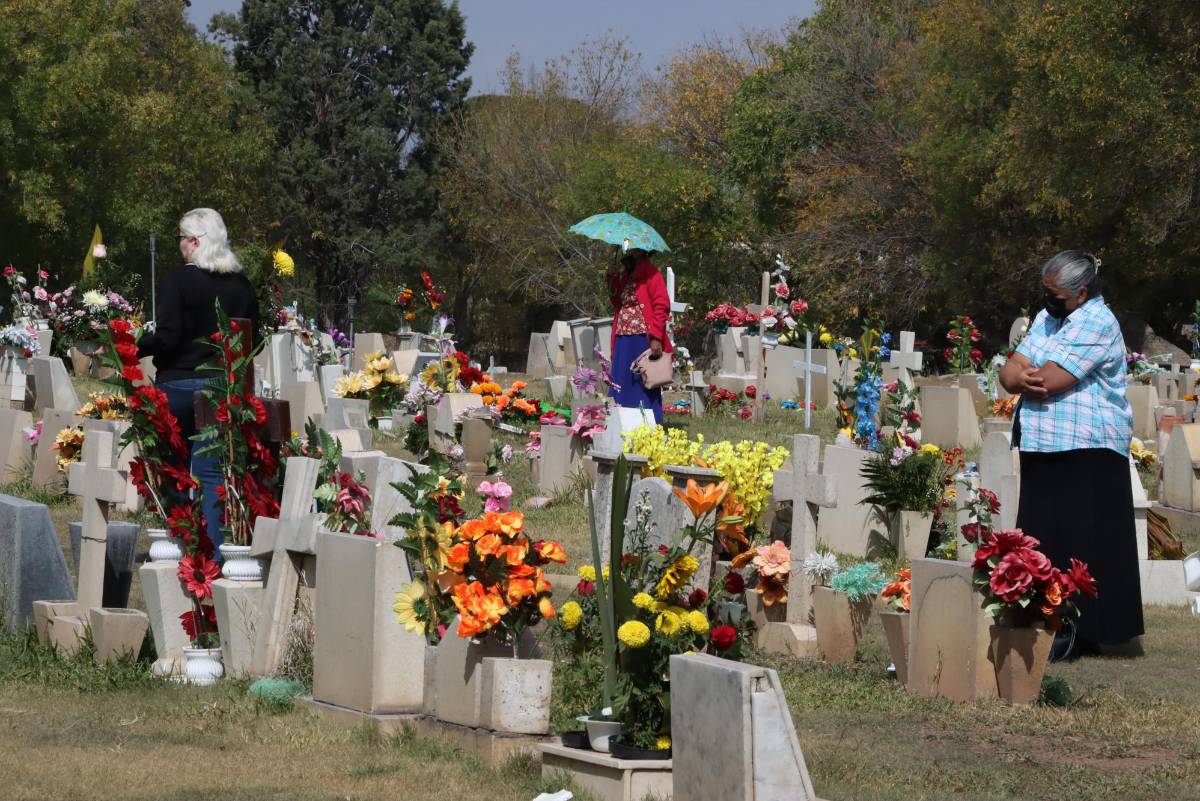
(213, 252)
(1074, 270)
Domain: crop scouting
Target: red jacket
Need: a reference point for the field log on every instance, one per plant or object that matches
(652, 294)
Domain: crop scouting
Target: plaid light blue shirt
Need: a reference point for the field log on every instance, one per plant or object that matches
(1095, 412)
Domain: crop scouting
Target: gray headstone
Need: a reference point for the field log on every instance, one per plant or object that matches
(121, 547)
(32, 567)
(758, 756)
(668, 517)
(52, 386)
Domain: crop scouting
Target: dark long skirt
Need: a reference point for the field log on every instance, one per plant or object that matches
(1080, 504)
(633, 393)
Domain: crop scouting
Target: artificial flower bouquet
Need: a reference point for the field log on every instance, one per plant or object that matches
(1006, 407)
(1140, 367)
(772, 567)
(1021, 588)
(909, 477)
(724, 316)
(898, 594)
(20, 338)
(69, 445)
(105, 405)
(378, 383)
(962, 354)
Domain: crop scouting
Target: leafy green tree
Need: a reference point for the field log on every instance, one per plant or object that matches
(355, 93)
(114, 112)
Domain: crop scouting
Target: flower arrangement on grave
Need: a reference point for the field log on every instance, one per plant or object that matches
(724, 316)
(1140, 367)
(962, 355)
(588, 421)
(661, 447)
(721, 399)
(1005, 407)
(433, 298)
(434, 497)
(898, 594)
(908, 477)
(981, 507)
(105, 406)
(69, 445)
(900, 413)
(772, 564)
(1143, 457)
(679, 408)
(859, 581)
(249, 466)
(347, 503)
(31, 304)
(90, 314)
(416, 436)
(378, 383)
(1021, 587)
(20, 338)
(820, 567)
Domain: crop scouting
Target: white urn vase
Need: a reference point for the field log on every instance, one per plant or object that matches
(203, 666)
(163, 547)
(238, 564)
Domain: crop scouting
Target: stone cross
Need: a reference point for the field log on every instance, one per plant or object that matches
(288, 540)
(98, 484)
(809, 490)
(808, 367)
(906, 358)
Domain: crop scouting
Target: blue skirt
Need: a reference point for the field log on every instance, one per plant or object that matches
(632, 393)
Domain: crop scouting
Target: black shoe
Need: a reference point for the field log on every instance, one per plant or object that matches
(1064, 649)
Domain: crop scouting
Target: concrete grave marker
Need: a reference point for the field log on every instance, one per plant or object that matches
(1143, 399)
(948, 417)
(538, 362)
(446, 416)
(52, 385)
(15, 449)
(32, 567)
(366, 344)
(560, 457)
(846, 527)
(949, 634)
(808, 368)
(1181, 468)
(304, 401)
(906, 359)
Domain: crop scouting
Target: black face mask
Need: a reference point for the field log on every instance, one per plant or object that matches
(1056, 307)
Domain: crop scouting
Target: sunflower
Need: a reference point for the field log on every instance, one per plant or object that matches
(408, 607)
(677, 575)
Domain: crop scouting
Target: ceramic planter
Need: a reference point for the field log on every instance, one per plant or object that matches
(1020, 656)
(600, 732)
(163, 547)
(239, 565)
(203, 666)
(895, 627)
(840, 623)
(912, 534)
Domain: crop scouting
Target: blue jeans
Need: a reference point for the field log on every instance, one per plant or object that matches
(180, 397)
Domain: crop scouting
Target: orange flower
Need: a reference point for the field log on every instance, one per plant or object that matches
(552, 552)
(546, 608)
(507, 523)
(522, 571)
(732, 525)
(488, 545)
(518, 590)
(501, 403)
(772, 590)
(517, 386)
(702, 501)
(471, 530)
(900, 588)
(525, 406)
(514, 554)
(460, 554)
(539, 581)
(479, 609)
(1054, 594)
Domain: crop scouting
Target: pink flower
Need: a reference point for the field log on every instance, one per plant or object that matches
(745, 412)
(782, 290)
(40, 293)
(774, 559)
(799, 307)
(9, 271)
(100, 252)
(43, 275)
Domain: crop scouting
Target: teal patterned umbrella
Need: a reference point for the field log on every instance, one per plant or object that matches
(619, 228)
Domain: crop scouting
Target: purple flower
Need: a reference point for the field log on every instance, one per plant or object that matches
(584, 381)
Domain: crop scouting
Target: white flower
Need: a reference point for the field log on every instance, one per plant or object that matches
(820, 567)
(99, 252)
(95, 300)
(506, 453)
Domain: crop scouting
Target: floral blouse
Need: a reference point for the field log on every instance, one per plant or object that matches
(631, 320)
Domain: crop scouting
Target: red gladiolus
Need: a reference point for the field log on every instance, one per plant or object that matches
(723, 637)
(132, 374)
(1082, 579)
(128, 353)
(198, 574)
(585, 588)
(734, 583)
(1011, 579)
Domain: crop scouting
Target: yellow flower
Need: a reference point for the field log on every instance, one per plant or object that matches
(587, 573)
(604, 571)
(643, 600)
(697, 621)
(929, 447)
(677, 575)
(372, 380)
(826, 338)
(952, 493)
(284, 265)
(853, 353)
(396, 378)
(380, 365)
(571, 614)
(633, 633)
(662, 743)
(849, 434)
(406, 607)
(668, 623)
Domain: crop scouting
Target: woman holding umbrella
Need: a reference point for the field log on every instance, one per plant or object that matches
(641, 305)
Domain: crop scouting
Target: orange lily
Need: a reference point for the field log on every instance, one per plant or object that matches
(702, 501)
(772, 590)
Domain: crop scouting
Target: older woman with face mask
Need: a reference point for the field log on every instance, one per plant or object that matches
(1073, 426)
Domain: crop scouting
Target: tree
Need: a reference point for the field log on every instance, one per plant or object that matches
(114, 112)
(356, 93)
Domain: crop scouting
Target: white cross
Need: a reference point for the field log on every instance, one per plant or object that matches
(809, 490)
(808, 367)
(98, 484)
(906, 358)
(288, 540)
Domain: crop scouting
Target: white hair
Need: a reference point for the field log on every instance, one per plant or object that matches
(213, 252)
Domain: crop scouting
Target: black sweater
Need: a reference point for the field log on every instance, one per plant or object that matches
(187, 313)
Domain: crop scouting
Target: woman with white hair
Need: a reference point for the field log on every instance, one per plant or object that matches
(187, 317)
(1073, 426)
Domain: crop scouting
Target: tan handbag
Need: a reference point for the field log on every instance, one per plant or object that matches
(655, 373)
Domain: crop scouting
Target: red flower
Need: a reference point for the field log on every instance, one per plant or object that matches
(970, 533)
(723, 636)
(208, 621)
(198, 574)
(745, 412)
(260, 410)
(976, 355)
(734, 583)
(751, 391)
(449, 510)
(419, 419)
(585, 588)
(1001, 543)
(132, 373)
(128, 353)
(1082, 579)
(120, 327)
(990, 497)
(1011, 579)
(183, 478)
(1036, 562)
(697, 598)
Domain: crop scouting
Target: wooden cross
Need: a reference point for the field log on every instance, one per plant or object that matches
(808, 367)
(288, 540)
(809, 490)
(98, 484)
(906, 359)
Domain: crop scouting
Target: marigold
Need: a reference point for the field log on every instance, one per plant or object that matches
(643, 600)
(587, 573)
(697, 621)
(668, 623)
(571, 614)
(633, 633)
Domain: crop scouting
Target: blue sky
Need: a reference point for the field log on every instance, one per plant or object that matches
(543, 29)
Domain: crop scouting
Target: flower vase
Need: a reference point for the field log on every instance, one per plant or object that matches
(163, 547)
(1020, 654)
(404, 328)
(895, 628)
(203, 666)
(238, 564)
(600, 732)
(912, 533)
(840, 623)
